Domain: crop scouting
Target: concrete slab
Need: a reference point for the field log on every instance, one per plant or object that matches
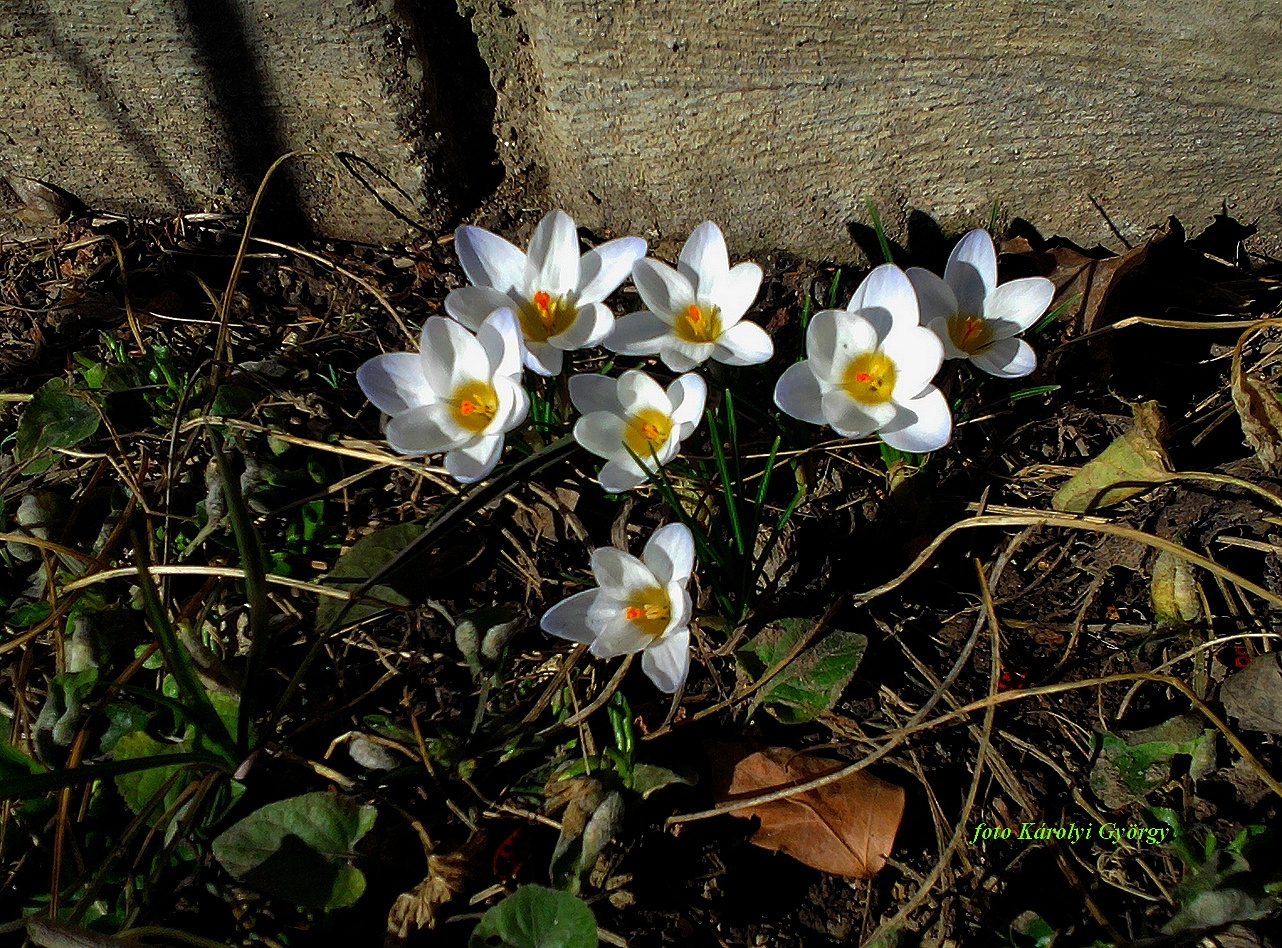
(780, 118)
(163, 106)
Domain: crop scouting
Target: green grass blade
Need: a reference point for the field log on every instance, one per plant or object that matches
(251, 561)
(723, 472)
(833, 288)
(760, 565)
(1054, 313)
(880, 231)
(33, 785)
(176, 657)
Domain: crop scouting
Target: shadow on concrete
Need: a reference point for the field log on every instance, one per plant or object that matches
(110, 102)
(248, 122)
(459, 102)
(926, 245)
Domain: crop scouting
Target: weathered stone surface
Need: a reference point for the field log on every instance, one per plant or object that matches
(779, 118)
(163, 106)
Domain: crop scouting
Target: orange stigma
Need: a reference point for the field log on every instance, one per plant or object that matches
(694, 314)
(543, 300)
(466, 408)
(633, 613)
(864, 377)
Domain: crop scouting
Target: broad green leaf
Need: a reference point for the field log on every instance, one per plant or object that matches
(648, 778)
(536, 917)
(29, 614)
(14, 763)
(55, 418)
(123, 717)
(1131, 763)
(296, 849)
(813, 682)
(366, 557)
(140, 786)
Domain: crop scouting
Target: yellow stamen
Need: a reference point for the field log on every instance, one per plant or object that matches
(971, 334)
(698, 323)
(870, 378)
(545, 315)
(647, 431)
(649, 610)
(474, 404)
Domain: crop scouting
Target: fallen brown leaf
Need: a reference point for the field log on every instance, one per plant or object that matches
(1261, 415)
(1135, 462)
(447, 875)
(1254, 695)
(846, 827)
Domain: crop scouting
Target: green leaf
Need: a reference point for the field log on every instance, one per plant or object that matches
(55, 418)
(14, 763)
(29, 614)
(649, 778)
(813, 682)
(536, 917)
(296, 849)
(139, 787)
(1131, 763)
(123, 717)
(366, 558)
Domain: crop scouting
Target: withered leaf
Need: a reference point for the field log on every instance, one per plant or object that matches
(1254, 695)
(1132, 464)
(1261, 415)
(846, 827)
(447, 875)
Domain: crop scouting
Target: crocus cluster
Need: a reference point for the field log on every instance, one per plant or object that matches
(867, 369)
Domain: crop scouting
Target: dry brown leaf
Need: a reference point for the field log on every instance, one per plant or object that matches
(846, 827)
(1254, 695)
(34, 202)
(1261, 414)
(1135, 462)
(447, 876)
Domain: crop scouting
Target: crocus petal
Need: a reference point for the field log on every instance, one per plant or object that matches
(639, 333)
(450, 354)
(500, 336)
(704, 260)
(668, 662)
(637, 392)
(917, 353)
(934, 298)
(743, 344)
(514, 405)
(664, 291)
(687, 396)
(971, 272)
(394, 382)
(835, 337)
(470, 462)
(619, 574)
(553, 259)
(603, 268)
(1007, 358)
(601, 433)
(592, 324)
(615, 635)
(591, 393)
(921, 425)
(682, 607)
(426, 429)
(737, 292)
(568, 619)
(886, 298)
(488, 259)
(669, 554)
(543, 359)
(470, 305)
(797, 393)
(1020, 302)
(618, 476)
(852, 419)
(939, 327)
(682, 356)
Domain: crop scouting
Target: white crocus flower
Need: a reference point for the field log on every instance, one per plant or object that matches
(694, 312)
(556, 294)
(459, 394)
(975, 318)
(641, 605)
(634, 412)
(869, 369)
